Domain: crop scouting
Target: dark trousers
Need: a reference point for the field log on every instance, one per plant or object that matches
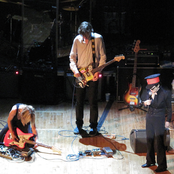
(155, 128)
(92, 98)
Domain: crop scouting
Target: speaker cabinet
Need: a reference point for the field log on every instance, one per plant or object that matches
(138, 140)
(40, 87)
(9, 84)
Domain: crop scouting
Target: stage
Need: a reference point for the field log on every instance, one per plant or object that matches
(55, 124)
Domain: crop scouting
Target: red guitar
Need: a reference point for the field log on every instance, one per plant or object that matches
(131, 96)
(23, 139)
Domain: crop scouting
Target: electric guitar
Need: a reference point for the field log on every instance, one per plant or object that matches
(88, 72)
(131, 96)
(23, 139)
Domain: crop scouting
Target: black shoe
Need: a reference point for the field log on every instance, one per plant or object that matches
(147, 165)
(93, 132)
(81, 132)
(160, 170)
(170, 149)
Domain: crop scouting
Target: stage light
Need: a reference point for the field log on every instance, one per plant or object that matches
(17, 72)
(100, 75)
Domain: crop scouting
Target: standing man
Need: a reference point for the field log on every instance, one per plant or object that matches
(88, 47)
(158, 101)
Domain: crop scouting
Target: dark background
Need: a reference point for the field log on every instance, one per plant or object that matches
(28, 46)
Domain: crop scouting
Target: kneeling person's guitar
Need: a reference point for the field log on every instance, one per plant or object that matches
(23, 139)
(88, 72)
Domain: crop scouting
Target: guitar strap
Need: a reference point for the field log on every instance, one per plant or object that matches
(93, 50)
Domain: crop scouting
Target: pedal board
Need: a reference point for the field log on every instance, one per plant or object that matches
(107, 151)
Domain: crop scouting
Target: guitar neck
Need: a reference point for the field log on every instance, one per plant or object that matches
(136, 49)
(134, 71)
(102, 66)
(39, 144)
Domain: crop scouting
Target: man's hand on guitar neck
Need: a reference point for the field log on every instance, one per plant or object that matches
(95, 76)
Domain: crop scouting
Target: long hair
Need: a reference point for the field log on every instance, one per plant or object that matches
(28, 114)
(85, 28)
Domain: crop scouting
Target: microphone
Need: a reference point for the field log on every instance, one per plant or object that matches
(150, 95)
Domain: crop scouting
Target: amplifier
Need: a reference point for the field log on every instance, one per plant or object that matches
(138, 140)
(40, 87)
(9, 84)
(142, 60)
(148, 55)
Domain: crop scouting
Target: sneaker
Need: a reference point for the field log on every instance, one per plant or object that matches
(81, 132)
(93, 132)
(76, 131)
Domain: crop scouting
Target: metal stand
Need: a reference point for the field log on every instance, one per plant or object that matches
(132, 108)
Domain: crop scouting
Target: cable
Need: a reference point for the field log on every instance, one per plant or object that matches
(72, 105)
(15, 155)
(72, 157)
(47, 158)
(66, 135)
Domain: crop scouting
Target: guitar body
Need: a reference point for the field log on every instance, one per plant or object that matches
(88, 72)
(131, 97)
(8, 141)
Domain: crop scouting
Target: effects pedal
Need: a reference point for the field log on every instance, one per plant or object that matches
(96, 152)
(108, 151)
(88, 153)
(27, 153)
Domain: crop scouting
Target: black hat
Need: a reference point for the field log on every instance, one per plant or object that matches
(152, 80)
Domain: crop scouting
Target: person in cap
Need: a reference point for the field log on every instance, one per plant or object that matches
(21, 116)
(158, 101)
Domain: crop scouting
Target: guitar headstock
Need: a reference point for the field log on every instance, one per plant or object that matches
(119, 57)
(137, 46)
(54, 149)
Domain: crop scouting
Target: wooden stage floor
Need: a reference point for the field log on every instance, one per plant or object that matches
(55, 124)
